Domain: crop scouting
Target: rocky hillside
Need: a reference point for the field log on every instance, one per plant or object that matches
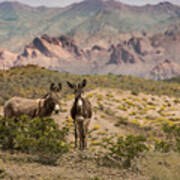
(142, 55)
(165, 70)
(100, 37)
(51, 52)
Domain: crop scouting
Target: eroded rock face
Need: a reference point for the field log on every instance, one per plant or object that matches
(165, 70)
(7, 59)
(137, 54)
(50, 40)
(120, 55)
(39, 44)
(141, 46)
(52, 53)
(48, 46)
(71, 46)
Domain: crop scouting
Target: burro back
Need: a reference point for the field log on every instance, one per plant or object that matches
(41, 107)
(81, 112)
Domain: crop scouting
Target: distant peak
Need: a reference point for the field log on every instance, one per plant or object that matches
(102, 1)
(13, 4)
(10, 2)
(165, 3)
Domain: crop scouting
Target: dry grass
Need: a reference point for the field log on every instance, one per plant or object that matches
(135, 114)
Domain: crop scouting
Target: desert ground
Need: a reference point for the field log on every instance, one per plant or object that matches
(115, 112)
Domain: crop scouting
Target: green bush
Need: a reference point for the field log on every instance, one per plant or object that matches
(178, 144)
(172, 136)
(125, 148)
(39, 135)
(2, 173)
(162, 146)
(171, 131)
(121, 120)
(135, 92)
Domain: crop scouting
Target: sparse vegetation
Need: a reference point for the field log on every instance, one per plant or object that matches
(40, 136)
(125, 126)
(22, 80)
(125, 149)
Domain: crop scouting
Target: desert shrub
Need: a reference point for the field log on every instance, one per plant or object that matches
(135, 92)
(173, 130)
(150, 117)
(176, 101)
(172, 136)
(162, 146)
(109, 111)
(133, 113)
(178, 144)
(2, 173)
(100, 106)
(150, 103)
(122, 107)
(130, 103)
(122, 120)
(125, 149)
(110, 94)
(39, 135)
(99, 97)
(22, 80)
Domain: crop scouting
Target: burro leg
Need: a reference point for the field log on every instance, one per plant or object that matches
(80, 122)
(75, 134)
(86, 127)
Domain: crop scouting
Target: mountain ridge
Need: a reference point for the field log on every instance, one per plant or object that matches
(93, 36)
(142, 56)
(86, 18)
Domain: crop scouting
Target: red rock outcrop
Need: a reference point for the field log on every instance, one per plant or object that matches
(165, 70)
(7, 59)
(49, 52)
(120, 55)
(60, 47)
(141, 45)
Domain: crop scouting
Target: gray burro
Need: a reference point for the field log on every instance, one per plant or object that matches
(81, 112)
(41, 107)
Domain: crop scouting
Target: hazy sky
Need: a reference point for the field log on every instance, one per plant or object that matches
(67, 2)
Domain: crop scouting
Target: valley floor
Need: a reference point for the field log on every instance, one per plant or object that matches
(116, 112)
(77, 166)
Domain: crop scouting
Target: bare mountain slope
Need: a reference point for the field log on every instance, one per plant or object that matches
(91, 18)
(133, 55)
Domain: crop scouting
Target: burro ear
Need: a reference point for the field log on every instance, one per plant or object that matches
(60, 86)
(52, 87)
(84, 82)
(70, 85)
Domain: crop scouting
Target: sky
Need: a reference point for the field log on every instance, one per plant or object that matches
(62, 3)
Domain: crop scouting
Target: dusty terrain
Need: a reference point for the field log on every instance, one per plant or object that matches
(115, 112)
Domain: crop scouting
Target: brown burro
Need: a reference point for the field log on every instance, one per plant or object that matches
(41, 107)
(81, 112)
